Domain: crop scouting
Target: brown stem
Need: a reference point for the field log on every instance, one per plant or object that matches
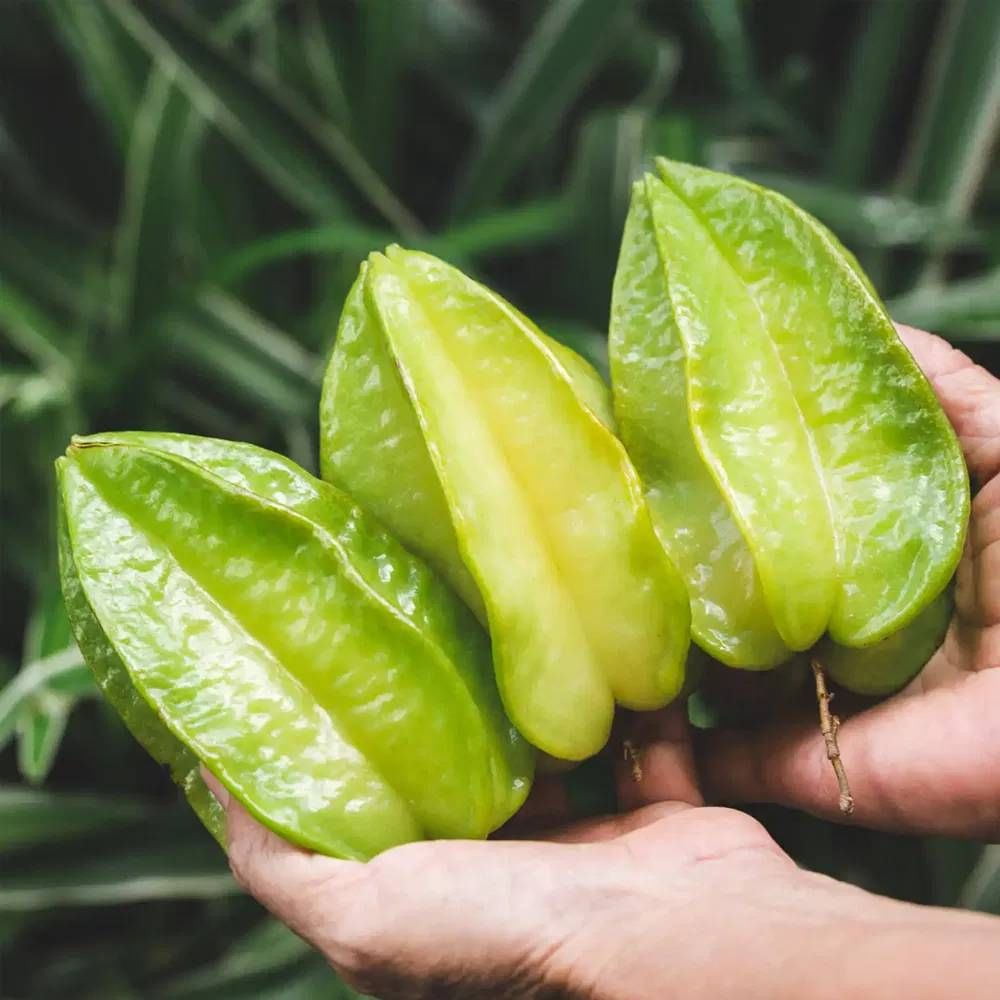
(829, 724)
(632, 756)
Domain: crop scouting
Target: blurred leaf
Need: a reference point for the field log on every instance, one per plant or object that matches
(263, 337)
(173, 869)
(42, 720)
(268, 948)
(63, 672)
(456, 45)
(386, 28)
(571, 41)
(723, 25)
(33, 333)
(338, 237)
(879, 220)
(957, 307)
(610, 154)
(982, 889)
(323, 65)
(111, 66)
(876, 58)
(513, 229)
(29, 818)
(299, 153)
(52, 266)
(225, 356)
(145, 239)
(958, 115)
(39, 734)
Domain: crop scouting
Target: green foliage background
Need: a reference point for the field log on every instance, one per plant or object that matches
(186, 189)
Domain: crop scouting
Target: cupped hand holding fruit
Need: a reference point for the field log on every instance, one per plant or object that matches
(927, 760)
(672, 898)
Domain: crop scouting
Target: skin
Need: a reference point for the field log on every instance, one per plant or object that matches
(926, 760)
(673, 898)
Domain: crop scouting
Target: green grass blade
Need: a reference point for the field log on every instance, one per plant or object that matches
(300, 154)
(958, 118)
(144, 249)
(571, 41)
(203, 345)
(874, 66)
(457, 46)
(335, 238)
(170, 870)
(982, 890)
(109, 63)
(518, 228)
(29, 817)
(63, 671)
(323, 64)
(873, 220)
(722, 23)
(262, 336)
(610, 154)
(386, 28)
(35, 335)
(970, 306)
(40, 731)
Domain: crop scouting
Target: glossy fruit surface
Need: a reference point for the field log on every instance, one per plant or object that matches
(797, 463)
(486, 447)
(239, 612)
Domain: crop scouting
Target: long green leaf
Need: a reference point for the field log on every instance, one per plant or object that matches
(28, 329)
(29, 818)
(64, 671)
(571, 41)
(172, 870)
(724, 28)
(876, 59)
(145, 241)
(959, 306)
(253, 330)
(323, 64)
(300, 154)
(459, 48)
(875, 220)
(337, 237)
(982, 890)
(107, 59)
(40, 731)
(386, 28)
(959, 115)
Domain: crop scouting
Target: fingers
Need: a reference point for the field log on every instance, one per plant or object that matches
(657, 761)
(970, 396)
(307, 891)
(927, 765)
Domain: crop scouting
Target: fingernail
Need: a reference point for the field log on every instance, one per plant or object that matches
(218, 790)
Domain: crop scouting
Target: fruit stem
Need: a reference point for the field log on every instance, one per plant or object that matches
(632, 756)
(829, 724)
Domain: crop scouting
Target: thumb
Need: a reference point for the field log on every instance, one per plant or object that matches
(312, 894)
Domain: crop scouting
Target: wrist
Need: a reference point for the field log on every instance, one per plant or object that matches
(789, 935)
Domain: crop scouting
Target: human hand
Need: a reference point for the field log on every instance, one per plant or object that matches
(670, 899)
(926, 760)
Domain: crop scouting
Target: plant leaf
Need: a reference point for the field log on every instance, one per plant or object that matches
(64, 671)
(571, 41)
(301, 155)
(29, 818)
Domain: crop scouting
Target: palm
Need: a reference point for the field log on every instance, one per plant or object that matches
(927, 759)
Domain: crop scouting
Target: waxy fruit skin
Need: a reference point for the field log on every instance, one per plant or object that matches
(798, 466)
(487, 448)
(240, 613)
